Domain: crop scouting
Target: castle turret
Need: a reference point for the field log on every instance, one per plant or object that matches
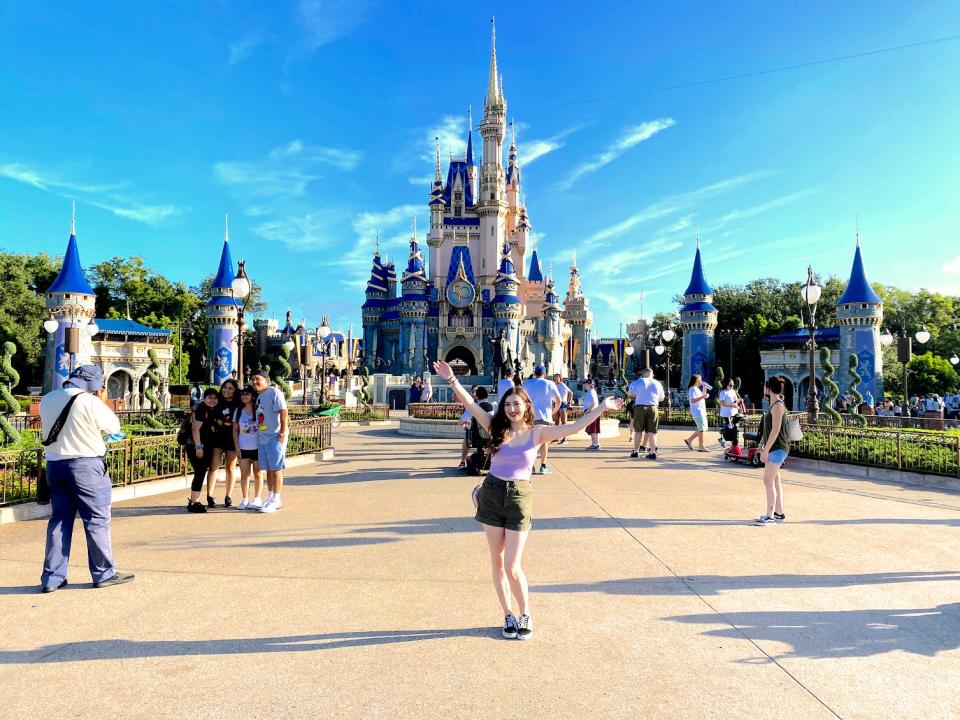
(373, 309)
(221, 314)
(507, 306)
(576, 311)
(698, 318)
(70, 302)
(860, 314)
(413, 310)
(491, 206)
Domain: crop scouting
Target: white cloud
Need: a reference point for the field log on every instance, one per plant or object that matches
(425, 180)
(242, 48)
(262, 180)
(341, 158)
(952, 267)
(632, 137)
(104, 197)
(394, 226)
(310, 231)
(256, 211)
(528, 151)
(324, 21)
(612, 266)
(451, 132)
(750, 212)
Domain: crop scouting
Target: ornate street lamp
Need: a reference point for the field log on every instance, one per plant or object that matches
(954, 359)
(811, 296)
(323, 332)
(667, 336)
(240, 289)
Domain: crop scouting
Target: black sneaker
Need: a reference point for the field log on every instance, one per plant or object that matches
(651, 456)
(115, 579)
(62, 585)
(509, 630)
(779, 517)
(211, 503)
(228, 501)
(524, 628)
(635, 454)
(643, 448)
(195, 507)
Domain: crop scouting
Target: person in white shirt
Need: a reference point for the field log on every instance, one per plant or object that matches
(427, 393)
(730, 405)
(697, 396)
(566, 397)
(73, 421)
(506, 382)
(545, 399)
(590, 401)
(647, 394)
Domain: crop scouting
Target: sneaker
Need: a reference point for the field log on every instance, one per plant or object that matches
(764, 520)
(195, 507)
(562, 441)
(651, 456)
(635, 454)
(544, 470)
(54, 588)
(509, 630)
(271, 506)
(211, 503)
(228, 501)
(462, 465)
(779, 517)
(524, 628)
(118, 578)
(244, 504)
(255, 504)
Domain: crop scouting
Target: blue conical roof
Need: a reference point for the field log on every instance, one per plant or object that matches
(225, 276)
(70, 279)
(470, 146)
(535, 275)
(858, 287)
(698, 283)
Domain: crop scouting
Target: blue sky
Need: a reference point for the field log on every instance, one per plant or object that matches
(311, 123)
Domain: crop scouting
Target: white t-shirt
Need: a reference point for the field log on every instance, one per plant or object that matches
(698, 408)
(590, 400)
(646, 391)
(542, 393)
(563, 390)
(729, 396)
(247, 437)
(82, 434)
(502, 386)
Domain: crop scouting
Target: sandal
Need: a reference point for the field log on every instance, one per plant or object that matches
(688, 444)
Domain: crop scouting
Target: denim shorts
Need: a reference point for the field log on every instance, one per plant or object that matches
(270, 454)
(777, 457)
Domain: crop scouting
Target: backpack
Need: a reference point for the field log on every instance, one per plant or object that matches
(479, 436)
(185, 432)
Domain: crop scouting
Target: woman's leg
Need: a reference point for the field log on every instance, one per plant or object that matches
(229, 465)
(257, 480)
(769, 479)
(700, 439)
(495, 541)
(216, 455)
(778, 490)
(245, 467)
(514, 542)
(199, 466)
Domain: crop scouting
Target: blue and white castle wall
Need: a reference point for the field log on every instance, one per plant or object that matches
(222, 331)
(860, 315)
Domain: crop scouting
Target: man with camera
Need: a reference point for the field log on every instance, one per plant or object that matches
(74, 420)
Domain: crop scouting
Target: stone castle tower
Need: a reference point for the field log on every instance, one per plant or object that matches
(221, 311)
(859, 315)
(70, 301)
(698, 318)
(576, 311)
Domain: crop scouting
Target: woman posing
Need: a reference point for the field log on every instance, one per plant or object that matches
(774, 448)
(697, 395)
(223, 445)
(199, 445)
(245, 445)
(590, 401)
(505, 501)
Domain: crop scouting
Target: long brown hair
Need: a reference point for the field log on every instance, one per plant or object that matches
(500, 424)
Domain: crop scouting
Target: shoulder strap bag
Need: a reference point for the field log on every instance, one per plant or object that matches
(59, 422)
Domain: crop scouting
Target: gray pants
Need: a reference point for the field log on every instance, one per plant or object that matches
(80, 485)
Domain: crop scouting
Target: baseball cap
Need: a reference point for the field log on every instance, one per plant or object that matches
(539, 370)
(88, 378)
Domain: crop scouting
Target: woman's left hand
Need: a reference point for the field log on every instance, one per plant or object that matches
(612, 403)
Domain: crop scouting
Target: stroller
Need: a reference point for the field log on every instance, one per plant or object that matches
(731, 433)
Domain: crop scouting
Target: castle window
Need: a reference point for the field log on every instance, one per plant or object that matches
(863, 306)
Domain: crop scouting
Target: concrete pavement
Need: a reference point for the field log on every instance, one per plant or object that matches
(369, 596)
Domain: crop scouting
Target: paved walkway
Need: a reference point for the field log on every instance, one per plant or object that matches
(369, 596)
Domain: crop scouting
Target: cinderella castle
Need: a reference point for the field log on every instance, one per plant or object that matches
(470, 302)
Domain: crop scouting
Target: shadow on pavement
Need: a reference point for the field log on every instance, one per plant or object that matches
(716, 584)
(842, 633)
(131, 649)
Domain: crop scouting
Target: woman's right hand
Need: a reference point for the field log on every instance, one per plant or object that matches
(199, 452)
(443, 370)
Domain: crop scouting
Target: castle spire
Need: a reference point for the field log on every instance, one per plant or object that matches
(73, 219)
(225, 276)
(858, 287)
(493, 84)
(470, 135)
(698, 283)
(438, 178)
(70, 279)
(226, 227)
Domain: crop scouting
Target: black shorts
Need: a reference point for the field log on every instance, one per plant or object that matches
(222, 443)
(248, 454)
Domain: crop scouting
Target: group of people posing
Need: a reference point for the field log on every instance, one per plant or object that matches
(230, 425)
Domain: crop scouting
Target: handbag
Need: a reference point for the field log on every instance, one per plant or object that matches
(794, 431)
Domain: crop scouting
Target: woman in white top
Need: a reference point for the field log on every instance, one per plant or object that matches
(698, 410)
(590, 401)
(427, 393)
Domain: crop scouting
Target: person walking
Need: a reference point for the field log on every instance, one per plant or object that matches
(73, 421)
(245, 441)
(647, 394)
(506, 382)
(774, 449)
(566, 398)
(505, 499)
(222, 446)
(272, 437)
(199, 445)
(590, 401)
(697, 396)
(546, 399)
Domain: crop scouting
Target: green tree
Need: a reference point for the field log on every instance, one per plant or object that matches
(930, 373)
(24, 278)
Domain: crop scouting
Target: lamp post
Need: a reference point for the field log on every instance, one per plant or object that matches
(78, 317)
(323, 332)
(905, 352)
(240, 288)
(666, 337)
(730, 335)
(811, 296)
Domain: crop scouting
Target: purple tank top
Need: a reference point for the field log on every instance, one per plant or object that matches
(515, 463)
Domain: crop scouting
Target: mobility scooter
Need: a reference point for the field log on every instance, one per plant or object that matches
(730, 433)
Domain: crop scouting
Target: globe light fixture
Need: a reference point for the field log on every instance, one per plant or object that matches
(288, 346)
(954, 359)
(886, 339)
(628, 350)
(668, 335)
(93, 328)
(241, 283)
(659, 349)
(922, 335)
(50, 325)
(810, 291)
(324, 329)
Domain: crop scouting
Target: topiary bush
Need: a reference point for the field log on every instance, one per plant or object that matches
(9, 377)
(833, 390)
(855, 380)
(150, 392)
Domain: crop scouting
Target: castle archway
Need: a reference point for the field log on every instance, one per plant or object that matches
(118, 385)
(461, 360)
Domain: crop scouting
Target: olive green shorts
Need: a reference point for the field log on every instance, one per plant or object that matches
(646, 418)
(507, 504)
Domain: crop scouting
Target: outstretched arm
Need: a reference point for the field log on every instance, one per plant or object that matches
(548, 433)
(446, 372)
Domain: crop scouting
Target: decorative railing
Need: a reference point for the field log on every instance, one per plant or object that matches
(138, 459)
(435, 411)
(365, 413)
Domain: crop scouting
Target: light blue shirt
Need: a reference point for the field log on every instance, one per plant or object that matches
(647, 391)
(542, 393)
(502, 386)
(269, 404)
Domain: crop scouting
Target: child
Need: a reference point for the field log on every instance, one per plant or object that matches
(245, 440)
